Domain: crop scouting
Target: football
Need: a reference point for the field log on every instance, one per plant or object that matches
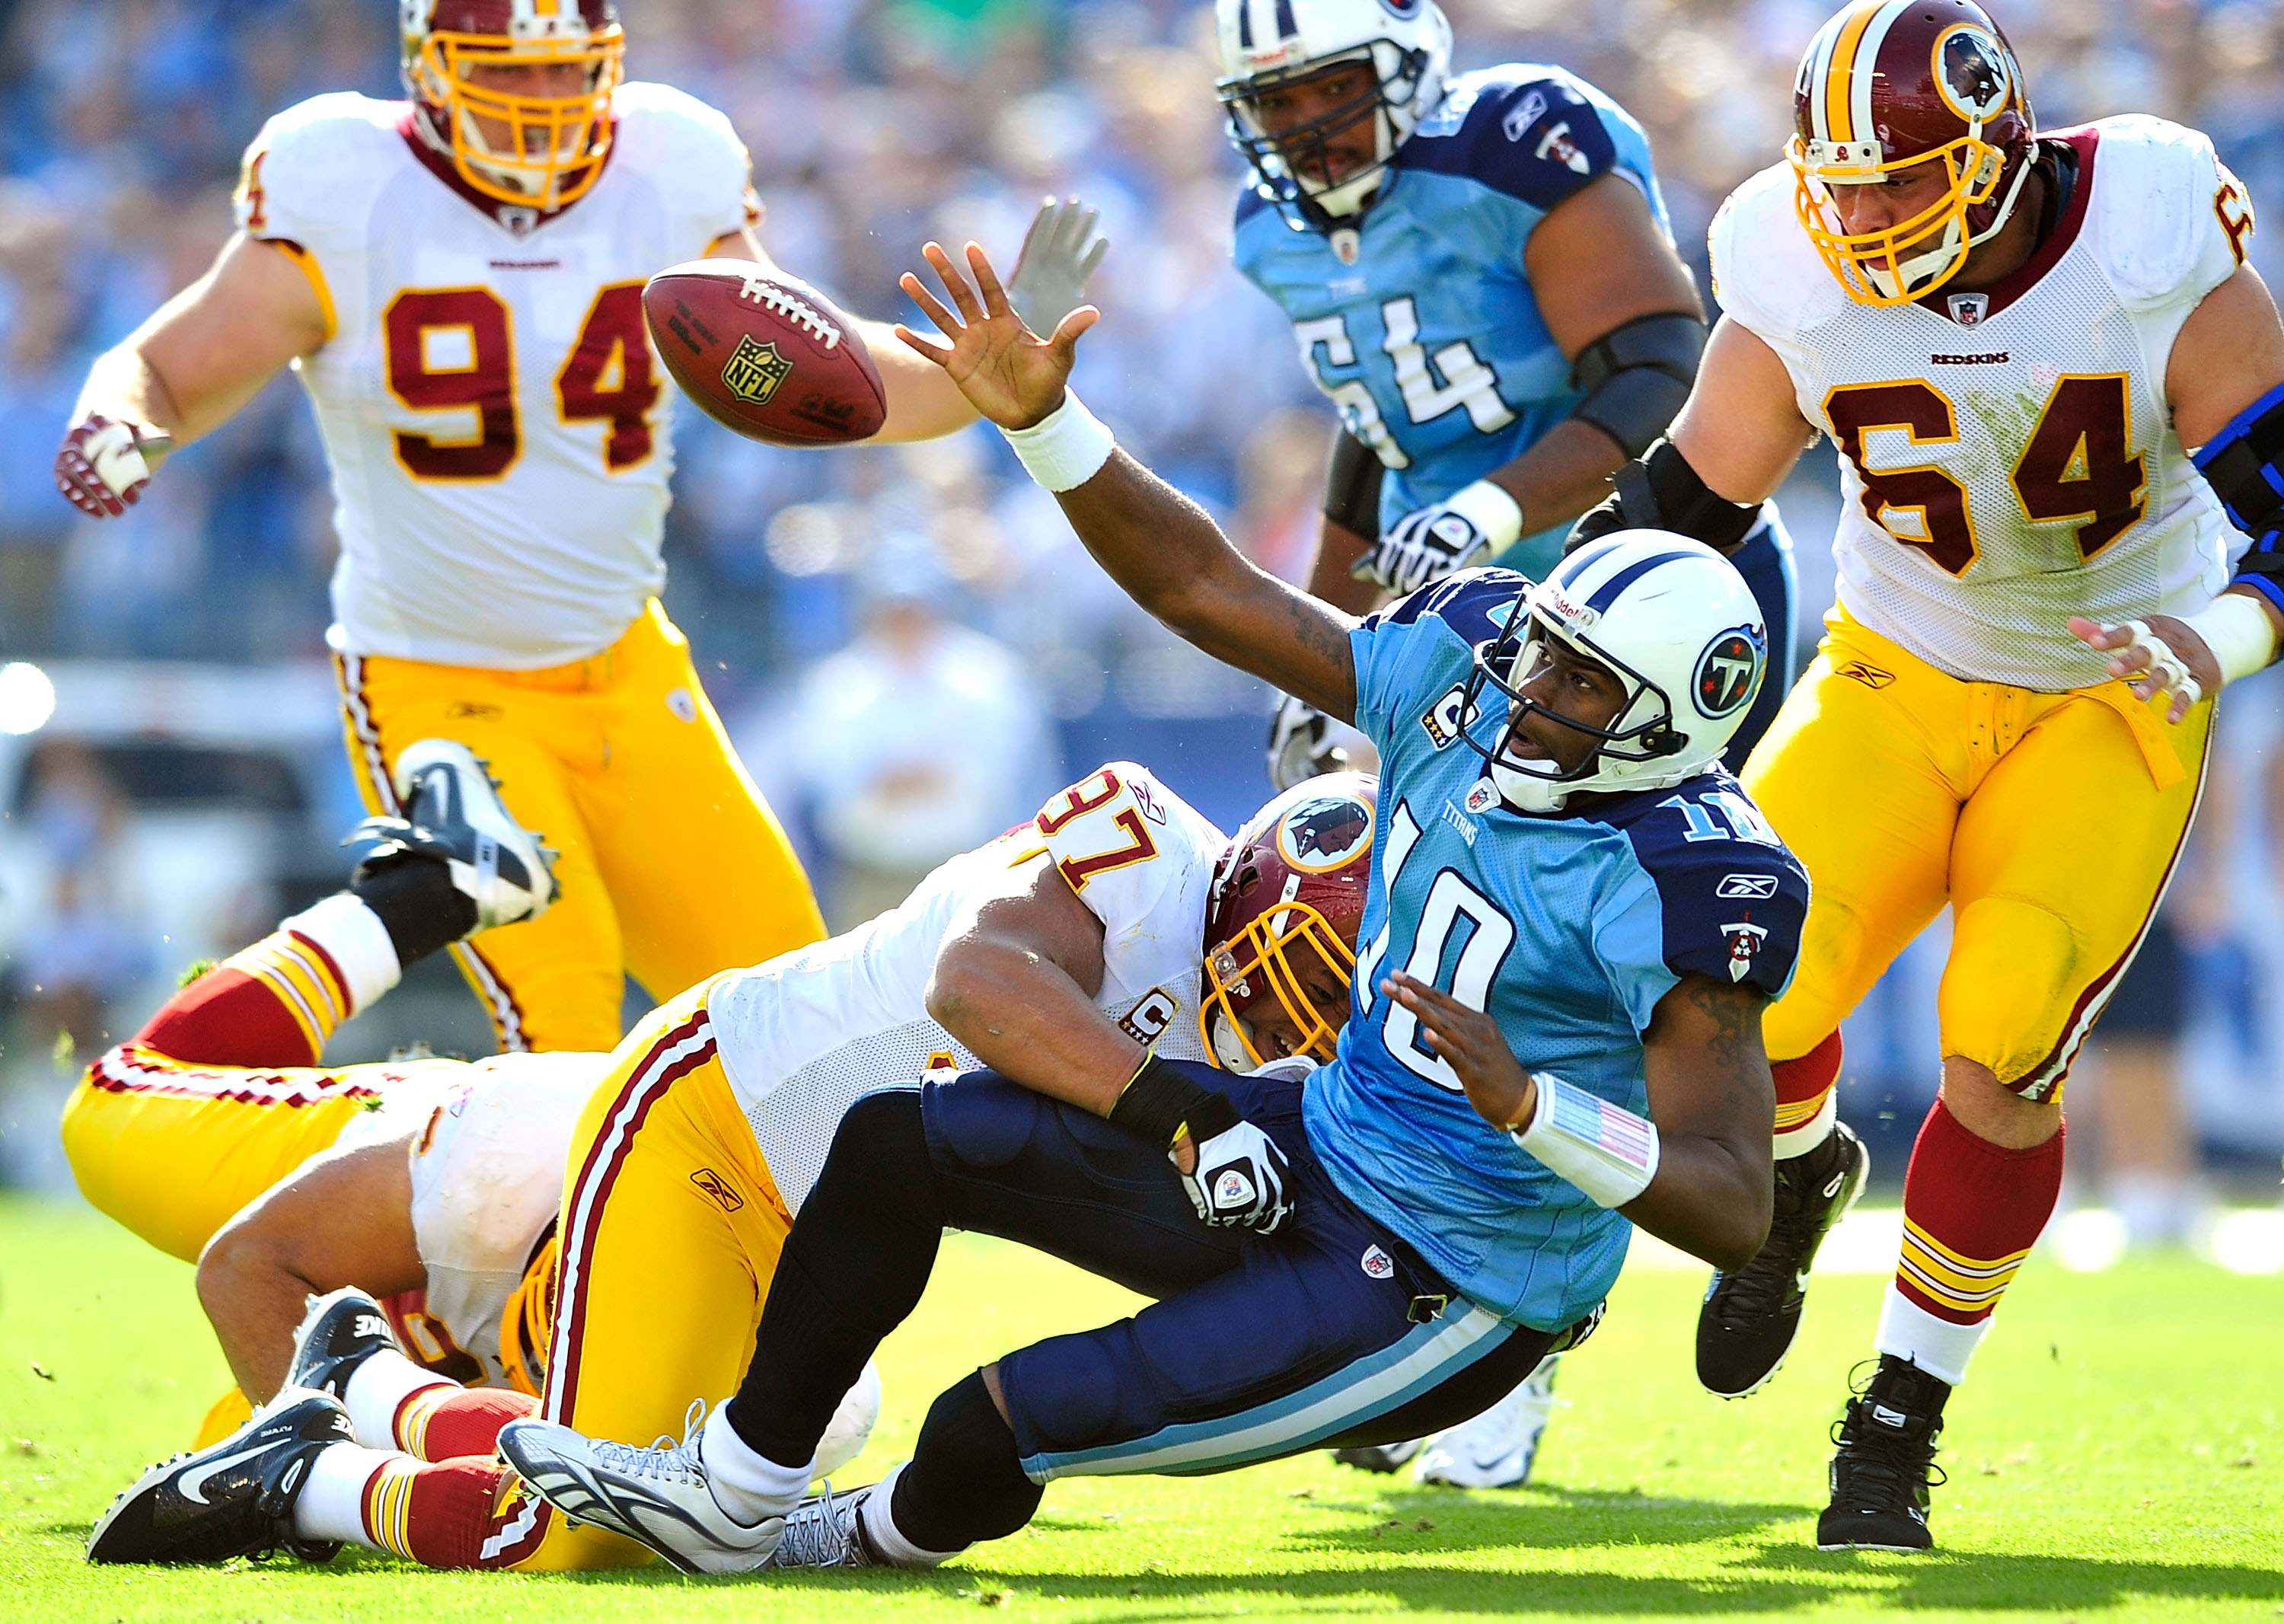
(769, 357)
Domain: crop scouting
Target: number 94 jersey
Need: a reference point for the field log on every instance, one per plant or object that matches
(1566, 930)
(1425, 331)
(2007, 457)
(495, 423)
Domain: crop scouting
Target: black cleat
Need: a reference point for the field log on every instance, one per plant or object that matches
(1749, 1318)
(231, 1499)
(340, 1331)
(453, 815)
(1380, 1456)
(1885, 1464)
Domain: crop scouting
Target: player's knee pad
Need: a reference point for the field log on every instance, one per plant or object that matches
(966, 1482)
(2015, 976)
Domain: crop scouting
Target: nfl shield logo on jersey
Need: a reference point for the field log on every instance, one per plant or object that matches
(753, 371)
(1969, 309)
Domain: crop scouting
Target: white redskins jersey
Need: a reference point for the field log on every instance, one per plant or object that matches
(801, 1038)
(2007, 456)
(495, 417)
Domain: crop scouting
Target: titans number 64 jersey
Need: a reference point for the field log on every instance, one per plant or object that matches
(1567, 930)
(1426, 335)
(495, 424)
(2007, 456)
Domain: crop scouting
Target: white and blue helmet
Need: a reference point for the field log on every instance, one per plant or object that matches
(1674, 620)
(1268, 43)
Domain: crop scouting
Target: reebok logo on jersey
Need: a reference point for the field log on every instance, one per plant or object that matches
(714, 1184)
(1524, 114)
(1378, 1264)
(1871, 676)
(1756, 886)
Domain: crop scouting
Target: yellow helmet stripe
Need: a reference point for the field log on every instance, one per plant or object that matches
(1840, 76)
(1874, 38)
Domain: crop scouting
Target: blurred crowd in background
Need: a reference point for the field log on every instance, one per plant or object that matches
(910, 643)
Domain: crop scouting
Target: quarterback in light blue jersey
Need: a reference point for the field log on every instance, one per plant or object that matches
(1480, 275)
(1574, 919)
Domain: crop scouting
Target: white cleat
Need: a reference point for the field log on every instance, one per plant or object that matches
(656, 1496)
(1496, 1448)
(453, 815)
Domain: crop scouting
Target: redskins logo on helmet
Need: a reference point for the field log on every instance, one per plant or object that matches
(1287, 898)
(1902, 87)
(517, 93)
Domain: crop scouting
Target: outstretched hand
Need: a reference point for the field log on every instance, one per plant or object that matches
(1470, 1043)
(2160, 658)
(1007, 373)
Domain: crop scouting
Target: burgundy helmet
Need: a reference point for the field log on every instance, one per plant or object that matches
(540, 144)
(1281, 923)
(1888, 85)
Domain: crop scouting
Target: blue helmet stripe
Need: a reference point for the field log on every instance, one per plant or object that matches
(1245, 24)
(1285, 26)
(1567, 573)
(1607, 592)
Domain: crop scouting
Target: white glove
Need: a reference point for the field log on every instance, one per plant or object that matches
(1059, 253)
(1240, 1179)
(1300, 744)
(1428, 543)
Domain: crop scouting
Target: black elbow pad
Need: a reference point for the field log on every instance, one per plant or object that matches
(1352, 485)
(1660, 491)
(1637, 375)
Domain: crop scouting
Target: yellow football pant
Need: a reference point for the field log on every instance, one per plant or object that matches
(671, 1228)
(2049, 821)
(673, 868)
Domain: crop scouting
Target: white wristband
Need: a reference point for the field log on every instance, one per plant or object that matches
(1606, 1149)
(1493, 509)
(2238, 631)
(1065, 448)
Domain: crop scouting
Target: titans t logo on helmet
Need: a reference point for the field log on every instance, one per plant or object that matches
(1729, 671)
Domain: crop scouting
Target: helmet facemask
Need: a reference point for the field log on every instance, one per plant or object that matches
(1260, 965)
(1910, 260)
(544, 150)
(1293, 166)
(1640, 734)
(527, 1323)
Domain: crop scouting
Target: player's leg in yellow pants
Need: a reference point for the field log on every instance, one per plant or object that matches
(672, 865)
(671, 1228)
(2049, 821)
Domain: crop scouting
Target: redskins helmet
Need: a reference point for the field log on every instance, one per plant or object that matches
(1888, 86)
(1281, 921)
(527, 1323)
(537, 147)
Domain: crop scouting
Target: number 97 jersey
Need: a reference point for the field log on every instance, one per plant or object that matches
(2007, 454)
(497, 426)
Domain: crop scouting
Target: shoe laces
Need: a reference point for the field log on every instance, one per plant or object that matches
(821, 1532)
(1881, 1465)
(664, 1458)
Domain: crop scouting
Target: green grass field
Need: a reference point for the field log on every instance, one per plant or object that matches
(2117, 1453)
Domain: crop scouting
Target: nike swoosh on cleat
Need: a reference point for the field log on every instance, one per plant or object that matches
(193, 1482)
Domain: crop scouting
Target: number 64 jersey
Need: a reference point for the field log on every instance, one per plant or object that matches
(2007, 456)
(495, 423)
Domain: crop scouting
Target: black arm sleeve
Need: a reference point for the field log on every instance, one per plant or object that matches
(1637, 375)
(1660, 491)
(1352, 485)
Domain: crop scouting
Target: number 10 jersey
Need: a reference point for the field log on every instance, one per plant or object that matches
(2007, 456)
(495, 423)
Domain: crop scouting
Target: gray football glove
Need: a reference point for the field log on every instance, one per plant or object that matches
(1059, 253)
(1299, 746)
(1430, 542)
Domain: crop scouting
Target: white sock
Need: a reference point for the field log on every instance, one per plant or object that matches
(746, 1484)
(1939, 1347)
(1800, 1141)
(879, 1521)
(377, 1388)
(354, 937)
(331, 1505)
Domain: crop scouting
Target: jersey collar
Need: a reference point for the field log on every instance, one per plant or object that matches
(2010, 287)
(516, 218)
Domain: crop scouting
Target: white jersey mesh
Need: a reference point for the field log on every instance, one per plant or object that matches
(802, 1037)
(2093, 326)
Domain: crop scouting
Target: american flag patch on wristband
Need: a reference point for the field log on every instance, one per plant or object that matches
(1593, 1121)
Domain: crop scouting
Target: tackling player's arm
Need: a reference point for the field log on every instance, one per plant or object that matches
(184, 372)
(2223, 381)
(1161, 548)
(1623, 310)
(1710, 1095)
(343, 1218)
